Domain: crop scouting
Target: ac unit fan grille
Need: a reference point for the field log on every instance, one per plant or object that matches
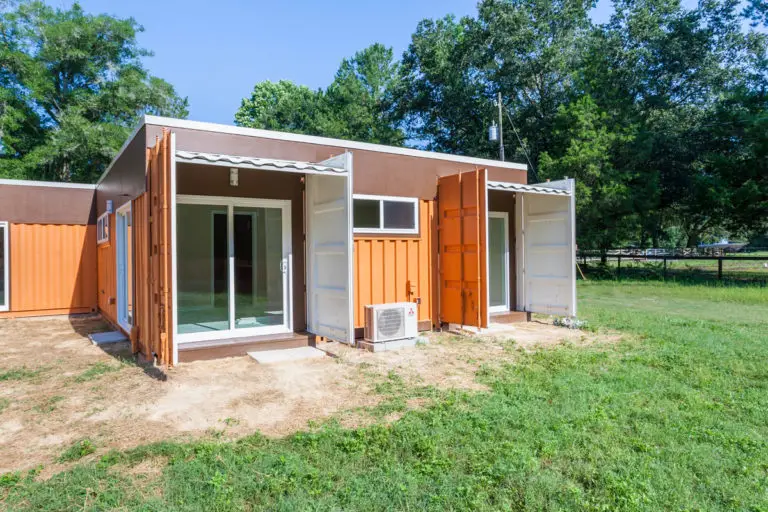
(390, 323)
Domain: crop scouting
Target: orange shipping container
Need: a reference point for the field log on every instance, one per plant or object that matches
(391, 268)
(52, 269)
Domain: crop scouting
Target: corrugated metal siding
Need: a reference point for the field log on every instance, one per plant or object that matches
(107, 261)
(142, 302)
(396, 268)
(53, 268)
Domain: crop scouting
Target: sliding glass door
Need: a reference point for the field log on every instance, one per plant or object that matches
(233, 262)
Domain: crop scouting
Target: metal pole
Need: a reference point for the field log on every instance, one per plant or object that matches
(665, 268)
(618, 274)
(720, 268)
(501, 130)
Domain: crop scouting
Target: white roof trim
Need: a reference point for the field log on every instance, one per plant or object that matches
(530, 189)
(193, 157)
(47, 184)
(312, 139)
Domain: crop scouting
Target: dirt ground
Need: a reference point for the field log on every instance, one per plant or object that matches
(56, 388)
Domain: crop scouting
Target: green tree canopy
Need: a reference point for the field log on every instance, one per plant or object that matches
(72, 86)
(356, 106)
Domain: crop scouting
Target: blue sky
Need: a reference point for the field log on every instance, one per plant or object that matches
(214, 52)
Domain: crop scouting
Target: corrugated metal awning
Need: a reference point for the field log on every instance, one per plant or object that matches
(269, 164)
(530, 189)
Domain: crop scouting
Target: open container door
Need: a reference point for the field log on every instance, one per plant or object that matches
(329, 252)
(549, 249)
(462, 219)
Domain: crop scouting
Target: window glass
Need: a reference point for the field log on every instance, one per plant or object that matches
(399, 215)
(366, 213)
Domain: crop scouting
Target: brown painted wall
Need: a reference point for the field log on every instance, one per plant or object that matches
(214, 181)
(52, 269)
(501, 201)
(126, 179)
(374, 172)
(46, 205)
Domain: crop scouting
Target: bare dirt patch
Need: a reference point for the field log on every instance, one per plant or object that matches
(56, 388)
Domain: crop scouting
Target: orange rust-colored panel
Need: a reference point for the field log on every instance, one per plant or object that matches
(395, 268)
(160, 332)
(461, 220)
(141, 310)
(107, 275)
(52, 269)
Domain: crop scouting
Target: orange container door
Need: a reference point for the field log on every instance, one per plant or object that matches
(462, 212)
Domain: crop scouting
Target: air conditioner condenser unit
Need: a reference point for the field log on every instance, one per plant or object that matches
(389, 322)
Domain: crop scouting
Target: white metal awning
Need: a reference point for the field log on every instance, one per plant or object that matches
(269, 164)
(530, 189)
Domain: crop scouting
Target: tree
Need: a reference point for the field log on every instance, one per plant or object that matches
(356, 106)
(442, 97)
(71, 88)
(283, 106)
(585, 148)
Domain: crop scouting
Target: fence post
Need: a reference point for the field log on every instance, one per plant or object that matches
(618, 272)
(720, 268)
(665, 268)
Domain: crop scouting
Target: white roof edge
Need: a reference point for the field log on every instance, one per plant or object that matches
(313, 139)
(49, 184)
(535, 189)
(256, 162)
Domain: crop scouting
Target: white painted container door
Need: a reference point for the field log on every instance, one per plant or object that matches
(549, 263)
(329, 253)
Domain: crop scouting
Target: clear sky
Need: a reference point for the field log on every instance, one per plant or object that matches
(214, 52)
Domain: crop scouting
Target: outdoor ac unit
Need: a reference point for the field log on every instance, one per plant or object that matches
(387, 322)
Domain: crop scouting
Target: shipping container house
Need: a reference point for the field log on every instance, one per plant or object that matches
(215, 240)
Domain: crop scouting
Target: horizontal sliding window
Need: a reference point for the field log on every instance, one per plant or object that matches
(384, 214)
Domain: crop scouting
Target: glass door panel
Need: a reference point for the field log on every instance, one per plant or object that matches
(258, 267)
(202, 268)
(498, 280)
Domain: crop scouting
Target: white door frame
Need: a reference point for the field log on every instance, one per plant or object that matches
(506, 306)
(287, 262)
(121, 255)
(6, 305)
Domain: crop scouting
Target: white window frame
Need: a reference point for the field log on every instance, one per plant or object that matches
(6, 305)
(102, 227)
(381, 229)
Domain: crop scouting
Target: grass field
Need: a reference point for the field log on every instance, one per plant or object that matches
(672, 417)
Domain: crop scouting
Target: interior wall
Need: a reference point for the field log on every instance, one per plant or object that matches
(503, 201)
(210, 180)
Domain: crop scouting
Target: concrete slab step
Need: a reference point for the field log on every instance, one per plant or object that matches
(105, 338)
(286, 355)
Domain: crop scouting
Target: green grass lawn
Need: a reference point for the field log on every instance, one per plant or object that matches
(673, 417)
